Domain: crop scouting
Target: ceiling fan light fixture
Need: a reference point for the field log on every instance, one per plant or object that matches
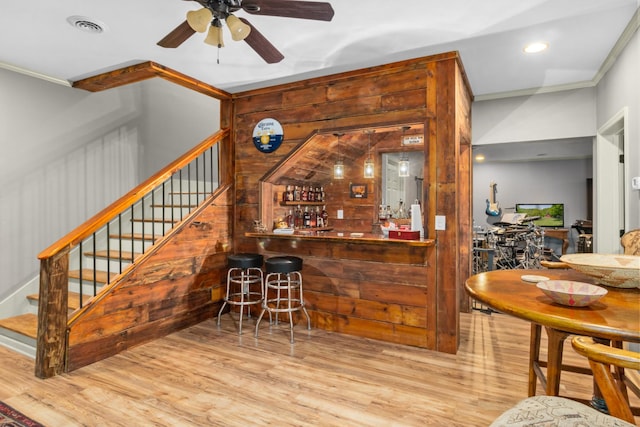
(214, 36)
(239, 30)
(199, 19)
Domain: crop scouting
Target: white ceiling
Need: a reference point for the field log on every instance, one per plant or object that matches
(527, 151)
(36, 38)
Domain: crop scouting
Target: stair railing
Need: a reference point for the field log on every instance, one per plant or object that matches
(193, 177)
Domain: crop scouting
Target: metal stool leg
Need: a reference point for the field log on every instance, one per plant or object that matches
(243, 278)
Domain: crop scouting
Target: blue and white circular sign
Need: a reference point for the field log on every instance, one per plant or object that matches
(268, 135)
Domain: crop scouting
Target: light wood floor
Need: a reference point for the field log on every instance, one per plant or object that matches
(205, 376)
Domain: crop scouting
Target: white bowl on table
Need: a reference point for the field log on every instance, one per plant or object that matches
(570, 293)
(615, 270)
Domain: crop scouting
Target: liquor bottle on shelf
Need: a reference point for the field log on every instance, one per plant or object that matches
(296, 193)
(325, 217)
(311, 194)
(297, 217)
(313, 220)
(322, 195)
(306, 218)
(290, 219)
(304, 195)
(287, 196)
(382, 213)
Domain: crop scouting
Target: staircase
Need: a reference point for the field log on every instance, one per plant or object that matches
(107, 253)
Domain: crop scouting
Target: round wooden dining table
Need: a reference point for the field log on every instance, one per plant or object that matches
(615, 317)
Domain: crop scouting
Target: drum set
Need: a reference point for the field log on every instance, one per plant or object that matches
(509, 246)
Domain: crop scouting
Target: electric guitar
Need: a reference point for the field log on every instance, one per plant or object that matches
(492, 206)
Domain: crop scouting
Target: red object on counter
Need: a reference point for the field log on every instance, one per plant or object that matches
(404, 234)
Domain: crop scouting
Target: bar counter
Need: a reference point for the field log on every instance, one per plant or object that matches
(367, 285)
(342, 237)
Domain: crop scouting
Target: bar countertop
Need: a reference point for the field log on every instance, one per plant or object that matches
(342, 237)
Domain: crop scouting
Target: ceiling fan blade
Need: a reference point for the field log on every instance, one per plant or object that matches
(262, 46)
(320, 11)
(176, 37)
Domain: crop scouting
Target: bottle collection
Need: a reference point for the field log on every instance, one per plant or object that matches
(387, 213)
(304, 193)
(313, 217)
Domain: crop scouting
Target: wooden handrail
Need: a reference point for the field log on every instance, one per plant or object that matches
(94, 223)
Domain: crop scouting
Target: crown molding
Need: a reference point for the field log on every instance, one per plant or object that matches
(611, 58)
(30, 73)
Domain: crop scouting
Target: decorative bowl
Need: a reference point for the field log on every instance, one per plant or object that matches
(573, 294)
(615, 270)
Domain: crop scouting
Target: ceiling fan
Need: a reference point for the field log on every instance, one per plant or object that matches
(215, 12)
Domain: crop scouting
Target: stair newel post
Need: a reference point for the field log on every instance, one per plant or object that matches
(52, 315)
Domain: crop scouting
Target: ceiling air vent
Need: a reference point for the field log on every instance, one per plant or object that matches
(86, 24)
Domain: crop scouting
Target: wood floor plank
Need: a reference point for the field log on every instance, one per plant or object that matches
(210, 376)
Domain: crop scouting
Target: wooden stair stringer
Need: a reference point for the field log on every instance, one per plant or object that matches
(137, 259)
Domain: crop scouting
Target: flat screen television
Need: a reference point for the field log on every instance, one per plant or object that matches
(551, 214)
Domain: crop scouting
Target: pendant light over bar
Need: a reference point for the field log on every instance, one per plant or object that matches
(338, 167)
(369, 166)
(404, 166)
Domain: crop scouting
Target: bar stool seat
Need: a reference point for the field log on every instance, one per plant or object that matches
(283, 290)
(244, 283)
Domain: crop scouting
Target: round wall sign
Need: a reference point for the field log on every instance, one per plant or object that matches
(268, 135)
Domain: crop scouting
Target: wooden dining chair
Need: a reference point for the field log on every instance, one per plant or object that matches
(612, 384)
(630, 241)
(560, 411)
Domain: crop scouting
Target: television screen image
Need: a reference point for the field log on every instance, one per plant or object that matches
(551, 214)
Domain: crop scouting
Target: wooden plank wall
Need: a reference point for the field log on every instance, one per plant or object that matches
(424, 90)
(177, 286)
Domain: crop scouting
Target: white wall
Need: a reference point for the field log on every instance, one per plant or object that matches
(175, 119)
(619, 88)
(68, 153)
(568, 114)
(559, 181)
(556, 115)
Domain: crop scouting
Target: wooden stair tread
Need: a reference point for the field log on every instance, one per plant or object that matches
(113, 254)
(87, 275)
(25, 324)
(73, 299)
(135, 236)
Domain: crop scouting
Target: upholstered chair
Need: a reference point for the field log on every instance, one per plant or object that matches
(562, 412)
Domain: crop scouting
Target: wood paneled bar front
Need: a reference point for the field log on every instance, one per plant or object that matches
(366, 286)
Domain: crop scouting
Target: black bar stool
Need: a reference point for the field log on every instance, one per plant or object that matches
(244, 283)
(284, 280)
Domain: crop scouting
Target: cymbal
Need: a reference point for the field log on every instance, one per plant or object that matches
(530, 218)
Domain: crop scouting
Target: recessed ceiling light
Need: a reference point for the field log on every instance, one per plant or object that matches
(479, 157)
(87, 25)
(535, 47)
